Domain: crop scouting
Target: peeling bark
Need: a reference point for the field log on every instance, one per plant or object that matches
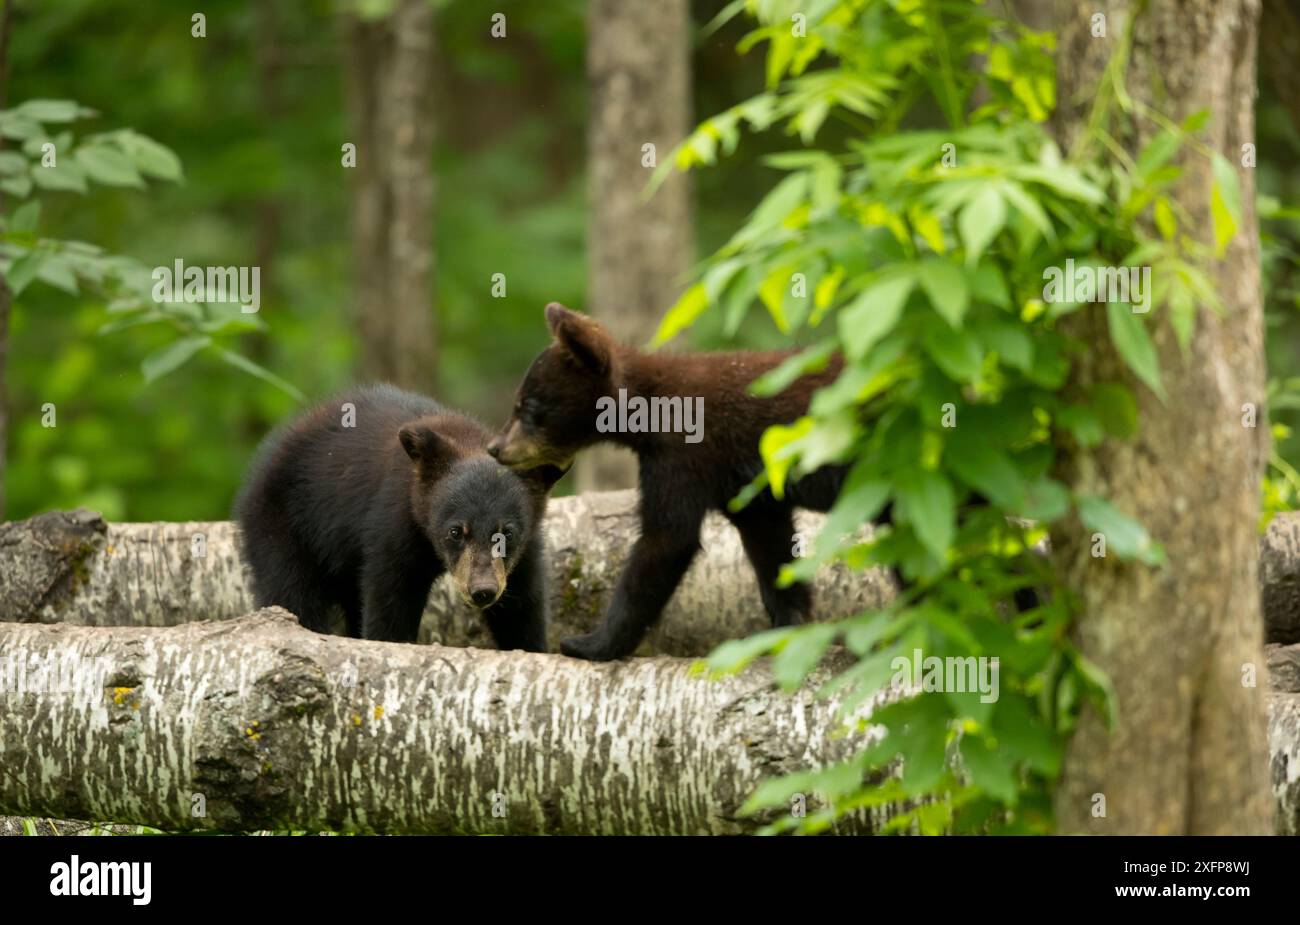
(74, 568)
(276, 727)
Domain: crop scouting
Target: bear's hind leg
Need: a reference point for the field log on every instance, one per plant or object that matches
(767, 532)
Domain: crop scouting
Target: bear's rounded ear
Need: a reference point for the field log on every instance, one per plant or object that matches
(581, 337)
(555, 315)
(422, 443)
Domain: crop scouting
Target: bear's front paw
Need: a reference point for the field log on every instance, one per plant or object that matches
(592, 647)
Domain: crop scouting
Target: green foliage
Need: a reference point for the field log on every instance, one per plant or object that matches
(52, 161)
(921, 255)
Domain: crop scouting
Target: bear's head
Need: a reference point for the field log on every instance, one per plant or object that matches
(479, 516)
(555, 408)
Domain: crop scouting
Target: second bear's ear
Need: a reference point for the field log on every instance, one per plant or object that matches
(424, 445)
(582, 338)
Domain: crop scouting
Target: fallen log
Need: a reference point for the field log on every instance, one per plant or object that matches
(75, 568)
(256, 723)
(72, 567)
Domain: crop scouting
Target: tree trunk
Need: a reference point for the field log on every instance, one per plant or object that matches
(74, 568)
(638, 251)
(6, 294)
(1189, 754)
(264, 725)
(390, 75)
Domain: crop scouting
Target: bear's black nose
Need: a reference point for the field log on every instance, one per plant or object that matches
(483, 596)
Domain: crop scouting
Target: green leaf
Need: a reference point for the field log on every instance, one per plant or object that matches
(873, 314)
(1157, 152)
(808, 360)
(986, 469)
(682, 315)
(1225, 202)
(108, 166)
(1010, 342)
(735, 654)
(945, 286)
(957, 353)
(773, 447)
(150, 157)
(168, 358)
(23, 270)
(801, 653)
(57, 270)
(1123, 534)
(64, 175)
(253, 369)
(50, 110)
(17, 126)
(17, 186)
(26, 217)
(1130, 337)
(989, 285)
(1045, 500)
(1116, 409)
(980, 221)
(989, 769)
(12, 163)
(925, 500)
(1099, 687)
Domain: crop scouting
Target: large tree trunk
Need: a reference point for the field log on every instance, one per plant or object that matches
(6, 294)
(390, 77)
(1189, 754)
(638, 251)
(265, 725)
(74, 568)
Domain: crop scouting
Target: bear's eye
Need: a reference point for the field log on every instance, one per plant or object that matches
(456, 533)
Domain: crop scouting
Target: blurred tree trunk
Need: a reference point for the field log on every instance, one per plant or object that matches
(269, 53)
(1279, 47)
(1179, 643)
(6, 295)
(390, 79)
(638, 251)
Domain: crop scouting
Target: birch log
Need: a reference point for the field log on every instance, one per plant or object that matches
(257, 723)
(75, 568)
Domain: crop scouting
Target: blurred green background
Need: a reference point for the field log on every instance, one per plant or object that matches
(263, 186)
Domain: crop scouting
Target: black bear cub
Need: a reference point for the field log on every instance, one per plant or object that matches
(568, 401)
(363, 502)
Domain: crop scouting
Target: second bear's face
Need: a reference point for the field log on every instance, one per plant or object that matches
(556, 406)
(478, 515)
(480, 520)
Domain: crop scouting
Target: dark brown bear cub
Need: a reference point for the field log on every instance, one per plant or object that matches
(585, 389)
(363, 502)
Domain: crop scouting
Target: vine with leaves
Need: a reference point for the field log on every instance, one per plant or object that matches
(918, 255)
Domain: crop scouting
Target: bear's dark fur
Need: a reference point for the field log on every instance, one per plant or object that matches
(365, 517)
(555, 416)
